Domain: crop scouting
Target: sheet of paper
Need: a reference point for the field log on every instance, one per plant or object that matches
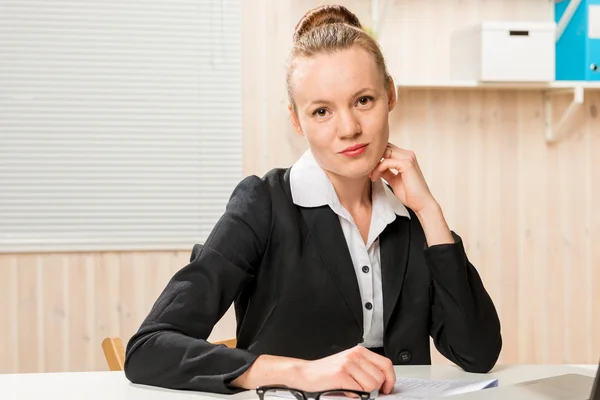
(413, 389)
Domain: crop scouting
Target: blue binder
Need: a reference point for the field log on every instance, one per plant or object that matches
(578, 49)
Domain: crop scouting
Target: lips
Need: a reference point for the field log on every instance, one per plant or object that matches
(355, 150)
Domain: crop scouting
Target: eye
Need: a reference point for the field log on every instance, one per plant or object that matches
(365, 100)
(320, 112)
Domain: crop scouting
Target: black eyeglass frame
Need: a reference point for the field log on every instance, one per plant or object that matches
(260, 391)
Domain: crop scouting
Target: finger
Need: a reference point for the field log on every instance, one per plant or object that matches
(373, 370)
(387, 153)
(395, 153)
(376, 173)
(360, 373)
(386, 366)
(398, 153)
(398, 165)
(389, 176)
(399, 150)
(395, 180)
(349, 383)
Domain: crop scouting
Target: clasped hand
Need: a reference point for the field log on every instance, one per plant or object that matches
(356, 369)
(408, 183)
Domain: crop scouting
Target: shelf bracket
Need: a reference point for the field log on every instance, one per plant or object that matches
(555, 132)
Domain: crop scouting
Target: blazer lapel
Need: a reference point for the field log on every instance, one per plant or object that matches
(324, 226)
(394, 244)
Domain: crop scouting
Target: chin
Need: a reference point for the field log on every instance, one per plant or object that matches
(356, 170)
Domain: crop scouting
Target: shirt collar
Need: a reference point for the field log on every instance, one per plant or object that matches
(311, 187)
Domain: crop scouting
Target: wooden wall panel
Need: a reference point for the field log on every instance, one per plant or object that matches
(9, 336)
(29, 352)
(593, 221)
(55, 309)
(54, 322)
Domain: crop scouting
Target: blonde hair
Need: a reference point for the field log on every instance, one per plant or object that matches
(327, 29)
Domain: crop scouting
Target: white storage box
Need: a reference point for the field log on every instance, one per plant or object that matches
(504, 52)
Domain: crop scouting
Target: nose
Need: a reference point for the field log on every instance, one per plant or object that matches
(349, 125)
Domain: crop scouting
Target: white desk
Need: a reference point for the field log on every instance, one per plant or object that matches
(114, 385)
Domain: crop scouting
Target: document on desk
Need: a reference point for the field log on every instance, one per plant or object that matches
(411, 389)
(421, 389)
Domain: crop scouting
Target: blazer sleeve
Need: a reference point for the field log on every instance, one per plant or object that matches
(465, 326)
(170, 349)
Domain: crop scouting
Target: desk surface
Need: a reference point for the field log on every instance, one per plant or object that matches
(114, 385)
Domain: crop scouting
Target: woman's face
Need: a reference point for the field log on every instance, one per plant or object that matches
(342, 109)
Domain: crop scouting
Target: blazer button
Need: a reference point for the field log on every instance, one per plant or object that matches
(404, 356)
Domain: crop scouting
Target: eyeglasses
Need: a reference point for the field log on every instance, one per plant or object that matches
(272, 392)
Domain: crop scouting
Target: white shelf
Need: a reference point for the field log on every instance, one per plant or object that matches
(554, 131)
(498, 85)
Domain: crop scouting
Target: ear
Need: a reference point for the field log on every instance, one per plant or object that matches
(391, 94)
(295, 120)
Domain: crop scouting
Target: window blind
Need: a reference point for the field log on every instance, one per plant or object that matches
(120, 122)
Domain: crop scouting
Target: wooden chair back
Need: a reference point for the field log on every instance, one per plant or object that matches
(114, 352)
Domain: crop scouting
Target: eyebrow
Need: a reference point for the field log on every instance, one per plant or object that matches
(358, 93)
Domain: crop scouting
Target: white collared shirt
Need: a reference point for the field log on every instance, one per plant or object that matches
(311, 187)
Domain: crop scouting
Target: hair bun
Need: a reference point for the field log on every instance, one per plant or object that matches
(324, 15)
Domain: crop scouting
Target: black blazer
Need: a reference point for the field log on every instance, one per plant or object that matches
(289, 272)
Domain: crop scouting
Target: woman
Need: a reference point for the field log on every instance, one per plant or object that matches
(335, 275)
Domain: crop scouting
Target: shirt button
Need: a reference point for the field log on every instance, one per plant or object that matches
(368, 306)
(365, 269)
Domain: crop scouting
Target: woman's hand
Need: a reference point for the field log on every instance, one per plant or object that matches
(356, 369)
(409, 183)
(353, 369)
(411, 189)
